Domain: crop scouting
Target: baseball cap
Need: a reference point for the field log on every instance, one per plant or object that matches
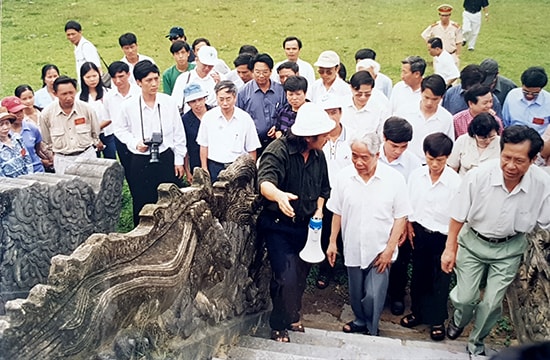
(312, 120)
(208, 55)
(4, 114)
(176, 32)
(13, 104)
(193, 91)
(328, 59)
(490, 67)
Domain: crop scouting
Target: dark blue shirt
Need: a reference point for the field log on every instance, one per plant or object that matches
(262, 107)
(31, 137)
(191, 125)
(454, 101)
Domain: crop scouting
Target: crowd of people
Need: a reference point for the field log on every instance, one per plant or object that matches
(443, 170)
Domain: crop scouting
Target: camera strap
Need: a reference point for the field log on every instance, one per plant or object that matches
(141, 118)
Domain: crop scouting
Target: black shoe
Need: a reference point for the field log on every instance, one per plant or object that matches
(453, 331)
(463, 42)
(397, 307)
(480, 354)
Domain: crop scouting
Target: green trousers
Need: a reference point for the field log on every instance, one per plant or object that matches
(475, 258)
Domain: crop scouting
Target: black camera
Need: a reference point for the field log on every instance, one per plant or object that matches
(154, 143)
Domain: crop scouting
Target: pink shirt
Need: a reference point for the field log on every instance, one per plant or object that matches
(463, 118)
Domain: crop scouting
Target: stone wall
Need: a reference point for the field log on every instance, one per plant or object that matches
(529, 294)
(42, 215)
(192, 263)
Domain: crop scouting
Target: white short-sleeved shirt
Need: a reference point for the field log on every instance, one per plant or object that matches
(85, 51)
(403, 96)
(162, 117)
(320, 93)
(368, 211)
(338, 154)
(484, 202)
(227, 140)
(444, 65)
(405, 164)
(465, 155)
(431, 202)
(441, 121)
(113, 102)
(370, 118)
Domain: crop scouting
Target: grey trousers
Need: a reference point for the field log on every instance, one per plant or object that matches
(367, 292)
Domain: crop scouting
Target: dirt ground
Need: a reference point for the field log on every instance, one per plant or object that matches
(331, 303)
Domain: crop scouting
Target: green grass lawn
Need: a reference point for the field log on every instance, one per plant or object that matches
(32, 31)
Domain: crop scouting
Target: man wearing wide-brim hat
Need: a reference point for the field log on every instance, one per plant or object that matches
(294, 184)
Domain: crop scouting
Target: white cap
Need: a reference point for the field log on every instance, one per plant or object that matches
(312, 120)
(366, 64)
(328, 59)
(208, 55)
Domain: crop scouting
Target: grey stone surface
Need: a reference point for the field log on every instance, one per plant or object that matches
(529, 295)
(42, 215)
(163, 290)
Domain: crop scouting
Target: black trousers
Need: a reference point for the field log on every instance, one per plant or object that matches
(399, 272)
(324, 267)
(124, 155)
(145, 177)
(284, 240)
(429, 284)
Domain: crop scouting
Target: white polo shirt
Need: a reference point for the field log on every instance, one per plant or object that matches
(484, 202)
(431, 202)
(368, 211)
(405, 164)
(227, 139)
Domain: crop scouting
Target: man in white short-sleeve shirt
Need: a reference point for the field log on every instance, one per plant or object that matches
(500, 201)
(370, 206)
(226, 132)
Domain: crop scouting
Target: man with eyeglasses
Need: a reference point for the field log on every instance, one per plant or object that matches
(329, 84)
(406, 92)
(530, 104)
(368, 108)
(447, 30)
(261, 98)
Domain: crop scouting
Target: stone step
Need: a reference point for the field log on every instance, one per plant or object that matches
(323, 344)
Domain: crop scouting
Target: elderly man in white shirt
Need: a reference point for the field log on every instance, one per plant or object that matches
(226, 132)
(499, 202)
(370, 205)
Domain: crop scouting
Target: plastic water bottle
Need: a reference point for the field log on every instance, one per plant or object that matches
(312, 251)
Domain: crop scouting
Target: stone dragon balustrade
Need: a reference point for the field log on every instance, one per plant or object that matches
(42, 215)
(191, 263)
(529, 295)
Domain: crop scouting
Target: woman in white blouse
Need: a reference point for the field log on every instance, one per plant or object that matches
(92, 92)
(480, 144)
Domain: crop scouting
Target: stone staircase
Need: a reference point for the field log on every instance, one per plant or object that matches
(324, 344)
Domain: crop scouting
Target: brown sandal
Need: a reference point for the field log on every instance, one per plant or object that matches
(280, 336)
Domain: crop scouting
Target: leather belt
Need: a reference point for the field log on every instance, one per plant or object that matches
(76, 153)
(493, 240)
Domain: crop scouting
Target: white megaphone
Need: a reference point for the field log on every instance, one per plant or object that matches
(312, 251)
